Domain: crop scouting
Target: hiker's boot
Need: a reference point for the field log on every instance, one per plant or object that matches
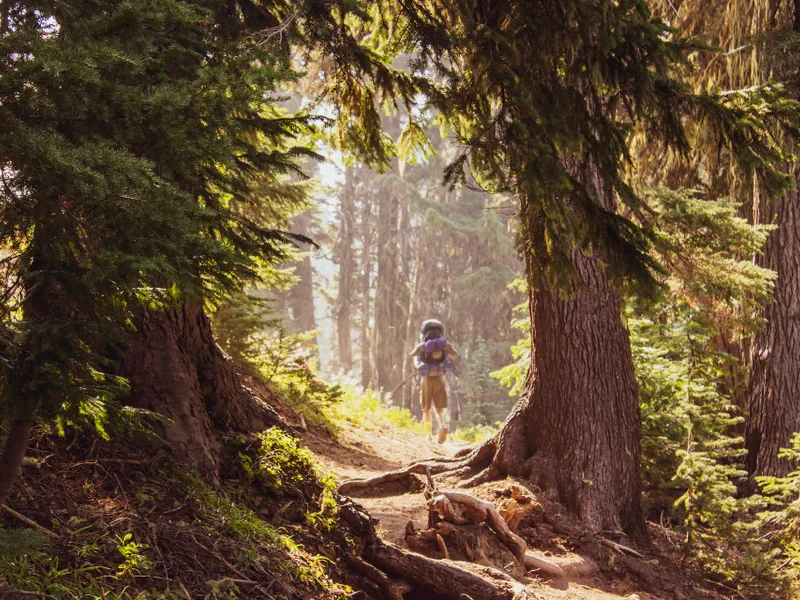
(442, 435)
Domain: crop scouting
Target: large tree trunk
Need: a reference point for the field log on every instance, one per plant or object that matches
(345, 259)
(774, 383)
(579, 415)
(775, 354)
(176, 369)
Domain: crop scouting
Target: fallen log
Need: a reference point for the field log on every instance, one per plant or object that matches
(387, 587)
(448, 579)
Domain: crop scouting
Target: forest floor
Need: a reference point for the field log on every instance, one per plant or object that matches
(361, 452)
(120, 520)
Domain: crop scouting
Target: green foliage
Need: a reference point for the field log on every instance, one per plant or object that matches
(486, 403)
(94, 559)
(229, 514)
(21, 542)
(475, 433)
(285, 363)
(283, 466)
(544, 96)
(514, 375)
(287, 470)
(691, 459)
(135, 563)
(145, 161)
(782, 519)
(129, 144)
(365, 410)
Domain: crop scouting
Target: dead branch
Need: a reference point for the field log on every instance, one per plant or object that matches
(446, 578)
(24, 593)
(184, 590)
(28, 522)
(620, 548)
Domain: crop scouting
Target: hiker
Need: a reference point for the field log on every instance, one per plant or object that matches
(432, 359)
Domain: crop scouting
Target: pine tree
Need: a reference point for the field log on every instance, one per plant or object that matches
(132, 135)
(692, 457)
(543, 95)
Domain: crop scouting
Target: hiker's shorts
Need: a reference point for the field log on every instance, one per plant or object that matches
(434, 392)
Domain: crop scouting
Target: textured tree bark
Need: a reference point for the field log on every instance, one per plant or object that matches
(774, 384)
(579, 415)
(15, 446)
(775, 355)
(576, 429)
(176, 369)
(345, 259)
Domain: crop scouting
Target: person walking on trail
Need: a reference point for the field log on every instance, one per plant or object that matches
(432, 358)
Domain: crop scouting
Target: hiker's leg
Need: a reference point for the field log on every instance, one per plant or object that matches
(440, 403)
(427, 402)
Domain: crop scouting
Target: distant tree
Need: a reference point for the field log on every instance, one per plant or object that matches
(344, 256)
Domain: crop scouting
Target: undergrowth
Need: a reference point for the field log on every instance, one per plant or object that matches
(366, 410)
(142, 528)
(475, 434)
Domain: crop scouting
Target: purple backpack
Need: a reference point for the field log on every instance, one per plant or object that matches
(433, 360)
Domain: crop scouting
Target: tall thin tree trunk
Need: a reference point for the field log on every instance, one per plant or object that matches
(345, 259)
(412, 320)
(301, 296)
(775, 353)
(366, 271)
(385, 331)
(15, 445)
(36, 363)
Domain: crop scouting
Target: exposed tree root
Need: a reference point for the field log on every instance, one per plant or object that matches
(460, 508)
(443, 577)
(477, 460)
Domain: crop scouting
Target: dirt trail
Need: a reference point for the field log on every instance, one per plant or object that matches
(362, 453)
